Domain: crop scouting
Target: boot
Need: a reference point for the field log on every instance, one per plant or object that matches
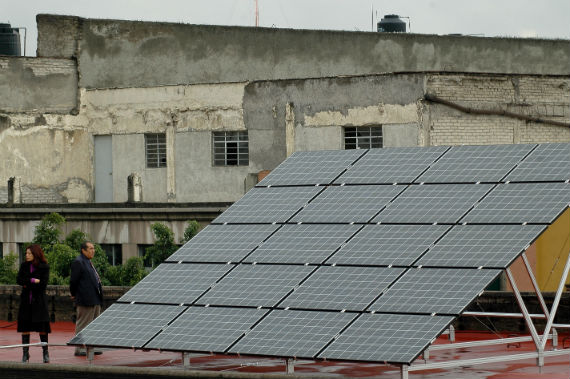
(26, 349)
(44, 338)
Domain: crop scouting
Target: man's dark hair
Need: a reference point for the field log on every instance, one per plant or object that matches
(84, 245)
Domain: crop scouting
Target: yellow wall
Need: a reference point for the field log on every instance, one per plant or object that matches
(552, 249)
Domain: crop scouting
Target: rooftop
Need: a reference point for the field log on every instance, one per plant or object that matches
(126, 363)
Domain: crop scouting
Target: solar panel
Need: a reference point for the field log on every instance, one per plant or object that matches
(312, 167)
(391, 165)
(345, 204)
(341, 288)
(306, 243)
(386, 338)
(172, 283)
(286, 333)
(222, 243)
(432, 203)
(520, 203)
(267, 205)
(481, 245)
(434, 290)
(475, 164)
(549, 161)
(399, 245)
(127, 325)
(256, 285)
(206, 329)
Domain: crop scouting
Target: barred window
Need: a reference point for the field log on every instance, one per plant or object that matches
(114, 252)
(155, 149)
(362, 137)
(231, 148)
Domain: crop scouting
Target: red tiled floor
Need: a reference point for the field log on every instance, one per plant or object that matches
(555, 368)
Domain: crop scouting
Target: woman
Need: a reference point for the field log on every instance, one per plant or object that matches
(33, 314)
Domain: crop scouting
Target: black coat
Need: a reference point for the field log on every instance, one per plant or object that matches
(35, 311)
(83, 284)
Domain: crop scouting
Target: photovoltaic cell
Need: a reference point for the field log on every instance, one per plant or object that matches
(399, 245)
(434, 290)
(341, 288)
(481, 245)
(432, 203)
(521, 202)
(206, 329)
(312, 167)
(267, 205)
(391, 165)
(548, 162)
(345, 204)
(286, 333)
(222, 243)
(127, 325)
(386, 338)
(176, 283)
(256, 285)
(305, 243)
(473, 164)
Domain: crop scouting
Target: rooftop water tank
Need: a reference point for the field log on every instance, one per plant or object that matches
(391, 23)
(9, 40)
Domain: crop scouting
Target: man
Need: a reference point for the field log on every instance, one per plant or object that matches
(86, 290)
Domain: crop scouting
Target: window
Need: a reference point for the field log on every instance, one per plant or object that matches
(114, 253)
(231, 149)
(155, 150)
(363, 137)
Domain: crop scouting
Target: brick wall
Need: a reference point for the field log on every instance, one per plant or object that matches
(533, 96)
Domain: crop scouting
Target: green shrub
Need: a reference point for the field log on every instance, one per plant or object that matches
(164, 245)
(191, 230)
(8, 269)
(59, 258)
(47, 233)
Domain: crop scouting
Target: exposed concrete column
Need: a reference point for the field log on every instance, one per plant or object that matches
(134, 188)
(289, 128)
(14, 190)
(170, 163)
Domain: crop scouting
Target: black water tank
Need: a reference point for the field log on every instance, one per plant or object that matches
(391, 23)
(9, 40)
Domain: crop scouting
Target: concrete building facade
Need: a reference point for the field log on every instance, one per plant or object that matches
(198, 113)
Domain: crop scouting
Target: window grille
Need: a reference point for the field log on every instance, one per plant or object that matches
(362, 137)
(231, 148)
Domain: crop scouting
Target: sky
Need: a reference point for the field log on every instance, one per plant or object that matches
(489, 18)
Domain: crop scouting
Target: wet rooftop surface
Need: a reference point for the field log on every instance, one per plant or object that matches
(555, 367)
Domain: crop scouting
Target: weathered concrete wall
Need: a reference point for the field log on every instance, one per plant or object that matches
(531, 95)
(318, 108)
(32, 84)
(170, 54)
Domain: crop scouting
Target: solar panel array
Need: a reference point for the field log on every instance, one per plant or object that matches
(361, 255)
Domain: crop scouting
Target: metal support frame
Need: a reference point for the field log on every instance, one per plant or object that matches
(289, 365)
(186, 360)
(539, 340)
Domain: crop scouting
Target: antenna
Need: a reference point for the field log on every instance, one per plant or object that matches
(256, 12)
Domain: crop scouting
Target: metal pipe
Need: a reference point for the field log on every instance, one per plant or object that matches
(556, 300)
(498, 341)
(505, 315)
(522, 306)
(494, 359)
(535, 285)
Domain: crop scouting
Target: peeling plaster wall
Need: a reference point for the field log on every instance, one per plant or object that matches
(172, 54)
(31, 84)
(318, 108)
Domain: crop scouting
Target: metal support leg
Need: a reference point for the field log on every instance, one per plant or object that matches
(451, 333)
(535, 285)
(556, 302)
(90, 353)
(426, 354)
(404, 371)
(290, 365)
(186, 360)
(554, 339)
(524, 311)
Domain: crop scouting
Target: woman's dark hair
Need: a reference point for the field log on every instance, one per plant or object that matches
(38, 253)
